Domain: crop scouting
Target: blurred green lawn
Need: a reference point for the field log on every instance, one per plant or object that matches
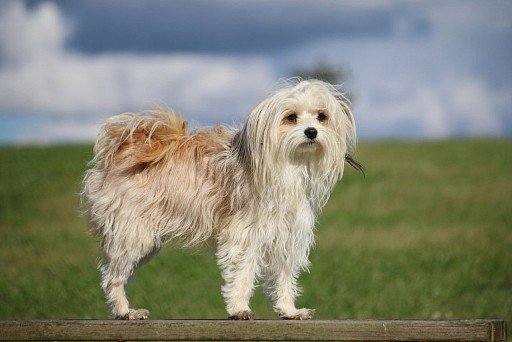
(426, 234)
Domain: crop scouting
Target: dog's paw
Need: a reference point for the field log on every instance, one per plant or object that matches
(300, 314)
(135, 314)
(242, 315)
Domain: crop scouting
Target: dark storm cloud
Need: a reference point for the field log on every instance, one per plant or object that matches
(222, 26)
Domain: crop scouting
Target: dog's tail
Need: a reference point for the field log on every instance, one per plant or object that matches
(126, 144)
(137, 139)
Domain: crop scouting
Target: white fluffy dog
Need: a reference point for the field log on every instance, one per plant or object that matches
(255, 192)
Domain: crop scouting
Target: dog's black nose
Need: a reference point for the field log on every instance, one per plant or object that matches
(311, 132)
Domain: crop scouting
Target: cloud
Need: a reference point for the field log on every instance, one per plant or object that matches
(472, 15)
(43, 130)
(455, 81)
(416, 72)
(26, 36)
(450, 107)
(38, 75)
(224, 26)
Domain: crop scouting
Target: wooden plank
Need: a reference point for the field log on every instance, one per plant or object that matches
(262, 330)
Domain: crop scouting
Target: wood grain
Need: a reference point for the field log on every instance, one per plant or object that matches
(262, 330)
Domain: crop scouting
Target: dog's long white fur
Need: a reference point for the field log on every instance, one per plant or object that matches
(255, 192)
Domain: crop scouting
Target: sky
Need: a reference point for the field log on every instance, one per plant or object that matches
(418, 69)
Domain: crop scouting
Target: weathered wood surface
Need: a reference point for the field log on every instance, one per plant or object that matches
(262, 330)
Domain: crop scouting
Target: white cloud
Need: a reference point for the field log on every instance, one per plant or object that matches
(30, 35)
(38, 75)
(449, 107)
(476, 106)
(434, 86)
(73, 84)
(431, 86)
(49, 130)
(437, 105)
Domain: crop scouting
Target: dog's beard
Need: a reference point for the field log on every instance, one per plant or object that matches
(324, 150)
(296, 148)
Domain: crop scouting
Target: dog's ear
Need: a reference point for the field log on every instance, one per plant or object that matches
(241, 148)
(348, 122)
(349, 127)
(252, 142)
(350, 131)
(354, 163)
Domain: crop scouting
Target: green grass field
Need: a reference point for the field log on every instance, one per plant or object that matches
(426, 234)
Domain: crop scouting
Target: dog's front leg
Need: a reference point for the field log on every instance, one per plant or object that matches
(238, 266)
(285, 290)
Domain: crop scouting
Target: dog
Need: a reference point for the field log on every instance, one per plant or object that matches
(255, 192)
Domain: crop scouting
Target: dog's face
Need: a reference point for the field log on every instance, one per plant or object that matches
(305, 128)
(306, 123)
(312, 120)
(302, 127)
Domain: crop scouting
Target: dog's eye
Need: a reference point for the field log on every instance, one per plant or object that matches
(292, 117)
(321, 117)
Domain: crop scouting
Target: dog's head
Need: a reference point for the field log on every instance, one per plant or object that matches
(308, 123)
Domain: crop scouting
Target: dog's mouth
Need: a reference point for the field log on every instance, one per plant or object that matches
(310, 143)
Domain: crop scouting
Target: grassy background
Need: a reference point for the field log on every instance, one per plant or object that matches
(427, 234)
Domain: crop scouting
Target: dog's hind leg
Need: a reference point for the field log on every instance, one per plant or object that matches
(115, 274)
(117, 266)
